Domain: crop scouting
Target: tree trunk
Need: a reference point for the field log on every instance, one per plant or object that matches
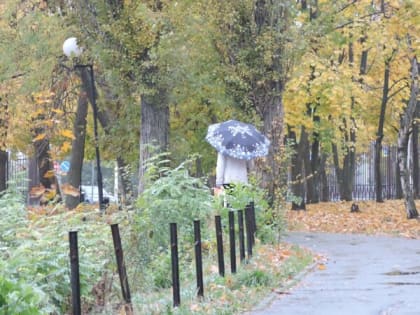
(406, 124)
(267, 98)
(398, 189)
(154, 132)
(323, 180)
(347, 180)
(380, 133)
(308, 172)
(315, 170)
(415, 159)
(4, 122)
(3, 170)
(338, 170)
(297, 186)
(74, 175)
(349, 164)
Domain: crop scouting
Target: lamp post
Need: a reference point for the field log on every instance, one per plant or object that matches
(71, 49)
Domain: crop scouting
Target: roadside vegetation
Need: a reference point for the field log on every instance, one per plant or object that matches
(35, 266)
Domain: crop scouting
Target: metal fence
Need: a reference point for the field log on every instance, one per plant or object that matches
(364, 176)
(17, 173)
(363, 187)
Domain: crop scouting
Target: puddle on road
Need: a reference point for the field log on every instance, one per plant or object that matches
(403, 283)
(401, 273)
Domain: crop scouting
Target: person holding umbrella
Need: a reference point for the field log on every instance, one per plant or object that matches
(236, 143)
(230, 170)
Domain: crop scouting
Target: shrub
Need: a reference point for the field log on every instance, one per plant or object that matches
(174, 196)
(34, 268)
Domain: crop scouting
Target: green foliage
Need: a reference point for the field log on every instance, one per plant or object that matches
(270, 220)
(34, 269)
(17, 297)
(254, 278)
(171, 196)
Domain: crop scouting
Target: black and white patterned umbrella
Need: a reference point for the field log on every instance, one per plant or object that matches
(237, 139)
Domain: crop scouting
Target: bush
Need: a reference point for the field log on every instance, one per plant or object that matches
(174, 196)
(34, 268)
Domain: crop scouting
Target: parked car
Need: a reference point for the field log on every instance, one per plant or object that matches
(90, 195)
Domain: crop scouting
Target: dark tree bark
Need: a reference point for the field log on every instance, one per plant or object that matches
(297, 185)
(154, 131)
(338, 170)
(314, 167)
(4, 120)
(74, 175)
(380, 133)
(345, 174)
(273, 128)
(398, 189)
(3, 170)
(268, 101)
(415, 157)
(323, 181)
(406, 124)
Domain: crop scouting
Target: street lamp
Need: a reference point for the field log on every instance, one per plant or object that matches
(71, 49)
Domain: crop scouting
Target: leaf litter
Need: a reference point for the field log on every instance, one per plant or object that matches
(387, 218)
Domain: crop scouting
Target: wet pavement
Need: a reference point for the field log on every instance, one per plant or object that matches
(363, 275)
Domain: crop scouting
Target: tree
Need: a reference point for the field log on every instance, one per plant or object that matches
(256, 52)
(406, 126)
(4, 156)
(74, 176)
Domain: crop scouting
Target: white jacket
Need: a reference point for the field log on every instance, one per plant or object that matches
(230, 170)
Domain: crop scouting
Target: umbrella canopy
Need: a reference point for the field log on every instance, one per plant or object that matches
(237, 139)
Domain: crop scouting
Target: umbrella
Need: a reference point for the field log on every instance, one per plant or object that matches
(237, 139)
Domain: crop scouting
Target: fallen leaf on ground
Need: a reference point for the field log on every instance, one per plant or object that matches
(388, 217)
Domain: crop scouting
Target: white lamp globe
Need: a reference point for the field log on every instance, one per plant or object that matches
(70, 47)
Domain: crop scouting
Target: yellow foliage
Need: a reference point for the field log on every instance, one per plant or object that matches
(65, 147)
(49, 174)
(39, 137)
(67, 134)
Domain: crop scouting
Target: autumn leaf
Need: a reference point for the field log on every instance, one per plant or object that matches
(37, 191)
(49, 194)
(335, 217)
(68, 189)
(39, 137)
(322, 267)
(65, 147)
(67, 133)
(49, 174)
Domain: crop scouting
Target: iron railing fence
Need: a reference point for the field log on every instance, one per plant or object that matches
(363, 185)
(364, 176)
(17, 173)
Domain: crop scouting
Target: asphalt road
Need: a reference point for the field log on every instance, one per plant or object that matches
(364, 275)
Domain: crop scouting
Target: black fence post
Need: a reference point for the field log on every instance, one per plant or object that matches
(253, 220)
(248, 227)
(75, 278)
(121, 268)
(219, 239)
(241, 235)
(232, 241)
(175, 265)
(198, 258)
